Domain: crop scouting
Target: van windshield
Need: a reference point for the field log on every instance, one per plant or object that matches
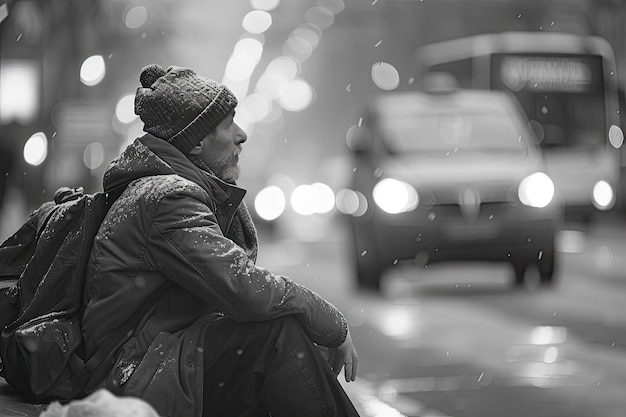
(453, 132)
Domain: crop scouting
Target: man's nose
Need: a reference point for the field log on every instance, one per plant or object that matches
(242, 136)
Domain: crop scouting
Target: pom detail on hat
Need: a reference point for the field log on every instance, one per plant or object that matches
(150, 74)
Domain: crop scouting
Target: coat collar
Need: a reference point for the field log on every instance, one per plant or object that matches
(150, 156)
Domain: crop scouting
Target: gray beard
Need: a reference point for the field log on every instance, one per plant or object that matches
(230, 174)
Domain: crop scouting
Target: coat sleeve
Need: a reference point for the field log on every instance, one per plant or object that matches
(187, 245)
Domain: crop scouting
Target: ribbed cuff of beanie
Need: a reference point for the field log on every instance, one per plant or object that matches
(192, 134)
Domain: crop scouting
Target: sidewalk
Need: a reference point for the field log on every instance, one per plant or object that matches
(363, 396)
(13, 405)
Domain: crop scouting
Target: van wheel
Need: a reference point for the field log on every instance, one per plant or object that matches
(368, 274)
(530, 275)
(368, 269)
(519, 269)
(546, 269)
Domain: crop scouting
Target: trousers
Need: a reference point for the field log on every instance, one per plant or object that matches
(268, 368)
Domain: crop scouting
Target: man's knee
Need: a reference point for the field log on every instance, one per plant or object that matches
(291, 329)
(291, 324)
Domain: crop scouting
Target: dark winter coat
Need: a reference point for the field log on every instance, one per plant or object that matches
(178, 225)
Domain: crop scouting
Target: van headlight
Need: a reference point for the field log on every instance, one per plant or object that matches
(536, 190)
(394, 196)
(603, 195)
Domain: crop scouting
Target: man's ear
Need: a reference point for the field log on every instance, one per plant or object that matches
(196, 150)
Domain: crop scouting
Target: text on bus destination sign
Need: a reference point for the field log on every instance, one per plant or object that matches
(545, 74)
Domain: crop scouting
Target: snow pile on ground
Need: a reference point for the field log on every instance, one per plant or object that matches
(101, 404)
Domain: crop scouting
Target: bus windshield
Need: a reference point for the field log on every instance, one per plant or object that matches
(563, 95)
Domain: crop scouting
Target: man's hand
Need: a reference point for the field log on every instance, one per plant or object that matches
(344, 355)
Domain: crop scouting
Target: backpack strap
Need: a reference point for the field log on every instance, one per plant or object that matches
(114, 194)
(115, 339)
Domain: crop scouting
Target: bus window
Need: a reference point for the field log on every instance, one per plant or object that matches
(462, 70)
(563, 95)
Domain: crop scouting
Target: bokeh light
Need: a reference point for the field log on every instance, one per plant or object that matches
(284, 65)
(243, 61)
(335, 6)
(125, 109)
(272, 84)
(385, 76)
(303, 200)
(394, 196)
(93, 155)
(316, 198)
(319, 16)
(266, 5)
(277, 76)
(256, 107)
(616, 136)
(297, 96)
(257, 21)
(136, 17)
(351, 202)
(270, 203)
(93, 70)
(36, 149)
(134, 131)
(299, 47)
(603, 195)
(19, 91)
(324, 198)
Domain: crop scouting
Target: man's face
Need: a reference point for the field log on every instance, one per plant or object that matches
(221, 149)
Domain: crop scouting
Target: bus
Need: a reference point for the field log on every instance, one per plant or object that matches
(567, 86)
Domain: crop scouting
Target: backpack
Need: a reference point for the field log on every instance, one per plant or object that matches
(41, 345)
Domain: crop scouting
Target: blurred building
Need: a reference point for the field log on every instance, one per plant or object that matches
(80, 124)
(69, 72)
(49, 118)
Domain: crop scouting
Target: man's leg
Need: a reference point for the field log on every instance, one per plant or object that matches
(272, 366)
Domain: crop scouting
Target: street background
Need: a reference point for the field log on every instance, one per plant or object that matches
(438, 341)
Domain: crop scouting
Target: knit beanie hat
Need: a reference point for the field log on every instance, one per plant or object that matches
(179, 106)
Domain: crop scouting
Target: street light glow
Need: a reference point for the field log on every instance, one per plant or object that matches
(297, 96)
(19, 91)
(256, 107)
(244, 59)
